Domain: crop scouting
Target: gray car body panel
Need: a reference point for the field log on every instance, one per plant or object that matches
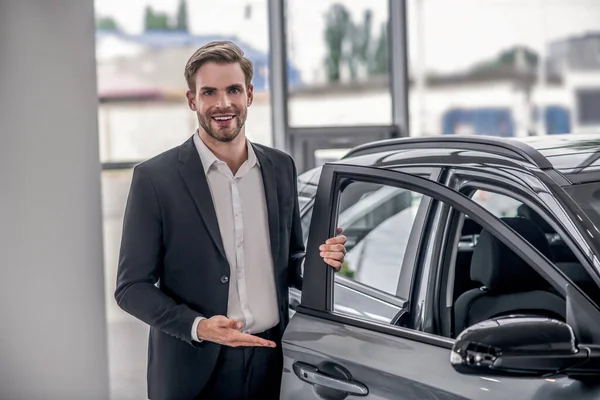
(396, 368)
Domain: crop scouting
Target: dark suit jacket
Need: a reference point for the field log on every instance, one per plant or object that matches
(171, 237)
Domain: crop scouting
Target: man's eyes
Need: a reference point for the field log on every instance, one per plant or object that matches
(232, 91)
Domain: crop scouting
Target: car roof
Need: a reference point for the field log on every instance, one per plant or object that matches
(577, 156)
(569, 152)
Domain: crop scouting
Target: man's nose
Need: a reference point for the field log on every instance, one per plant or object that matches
(223, 100)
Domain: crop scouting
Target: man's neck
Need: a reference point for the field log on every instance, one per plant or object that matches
(233, 153)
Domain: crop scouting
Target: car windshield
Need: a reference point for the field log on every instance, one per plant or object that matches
(587, 197)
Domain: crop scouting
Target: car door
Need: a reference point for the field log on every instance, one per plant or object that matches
(329, 354)
(364, 207)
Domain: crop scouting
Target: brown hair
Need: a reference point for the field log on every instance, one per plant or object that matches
(220, 52)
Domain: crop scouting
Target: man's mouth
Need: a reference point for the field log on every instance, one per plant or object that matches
(223, 118)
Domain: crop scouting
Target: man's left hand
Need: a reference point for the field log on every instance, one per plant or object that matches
(333, 250)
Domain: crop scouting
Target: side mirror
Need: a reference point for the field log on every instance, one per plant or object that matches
(520, 346)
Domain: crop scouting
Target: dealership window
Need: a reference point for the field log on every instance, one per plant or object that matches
(502, 67)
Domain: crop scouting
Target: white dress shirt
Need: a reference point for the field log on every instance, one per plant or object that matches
(241, 209)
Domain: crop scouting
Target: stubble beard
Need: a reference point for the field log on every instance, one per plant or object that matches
(223, 135)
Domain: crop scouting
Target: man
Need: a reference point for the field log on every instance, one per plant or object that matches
(215, 223)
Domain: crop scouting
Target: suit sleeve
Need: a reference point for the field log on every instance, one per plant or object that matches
(297, 250)
(141, 263)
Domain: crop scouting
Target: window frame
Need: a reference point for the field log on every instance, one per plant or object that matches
(317, 296)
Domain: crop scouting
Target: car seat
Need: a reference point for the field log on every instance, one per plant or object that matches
(510, 285)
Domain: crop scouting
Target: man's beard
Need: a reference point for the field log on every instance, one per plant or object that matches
(222, 134)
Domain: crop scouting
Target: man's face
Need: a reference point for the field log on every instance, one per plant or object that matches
(221, 100)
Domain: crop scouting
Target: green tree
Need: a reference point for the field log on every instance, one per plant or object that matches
(361, 44)
(379, 64)
(182, 16)
(155, 21)
(108, 23)
(509, 58)
(337, 31)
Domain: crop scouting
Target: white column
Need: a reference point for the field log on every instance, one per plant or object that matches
(53, 341)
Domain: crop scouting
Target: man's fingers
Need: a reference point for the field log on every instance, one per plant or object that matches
(332, 247)
(244, 339)
(339, 230)
(335, 240)
(334, 263)
(336, 255)
(253, 344)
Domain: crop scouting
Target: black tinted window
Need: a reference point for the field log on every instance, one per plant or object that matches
(587, 197)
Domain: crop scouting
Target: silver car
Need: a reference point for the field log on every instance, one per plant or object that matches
(472, 272)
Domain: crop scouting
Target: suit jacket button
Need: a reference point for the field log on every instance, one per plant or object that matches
(224, 279)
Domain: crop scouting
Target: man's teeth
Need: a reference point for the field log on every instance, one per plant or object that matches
(223, 118)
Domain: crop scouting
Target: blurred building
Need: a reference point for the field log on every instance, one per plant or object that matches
(577, 59)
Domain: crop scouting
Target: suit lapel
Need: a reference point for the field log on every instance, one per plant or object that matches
(270, 185)
(192, 172)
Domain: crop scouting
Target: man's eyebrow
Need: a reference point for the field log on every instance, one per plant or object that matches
(233, 86)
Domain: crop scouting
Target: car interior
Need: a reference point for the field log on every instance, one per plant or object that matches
(490, 280)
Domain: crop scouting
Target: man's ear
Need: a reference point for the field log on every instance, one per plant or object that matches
(191, 100)
(250, 94)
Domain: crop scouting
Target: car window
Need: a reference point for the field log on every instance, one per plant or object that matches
(497, 204)
(377, 220)
(307, 189)
(308, 182)
(469, 275)
(587, 197)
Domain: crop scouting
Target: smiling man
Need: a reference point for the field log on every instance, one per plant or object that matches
(211, 243)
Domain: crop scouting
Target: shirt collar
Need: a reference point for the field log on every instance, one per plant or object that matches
(208, 158)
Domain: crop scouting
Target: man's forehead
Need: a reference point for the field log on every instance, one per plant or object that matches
(224, 75)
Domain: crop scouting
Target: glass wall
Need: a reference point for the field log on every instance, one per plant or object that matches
(339, 54)
(142, 48)
(503, 67)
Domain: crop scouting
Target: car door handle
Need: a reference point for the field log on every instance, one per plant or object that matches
(312, 375)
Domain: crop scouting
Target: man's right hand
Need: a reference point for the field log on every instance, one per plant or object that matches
(225, 331)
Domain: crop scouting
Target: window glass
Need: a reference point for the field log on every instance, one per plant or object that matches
(338, 68)
(141, 51)
(377, 220)
(497, 204)
(509, 68)
(587, 196)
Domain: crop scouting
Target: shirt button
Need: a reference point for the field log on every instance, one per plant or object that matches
(224, 279)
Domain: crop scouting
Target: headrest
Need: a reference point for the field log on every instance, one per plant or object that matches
(526, 212)
(502, 271)
(470, 227)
